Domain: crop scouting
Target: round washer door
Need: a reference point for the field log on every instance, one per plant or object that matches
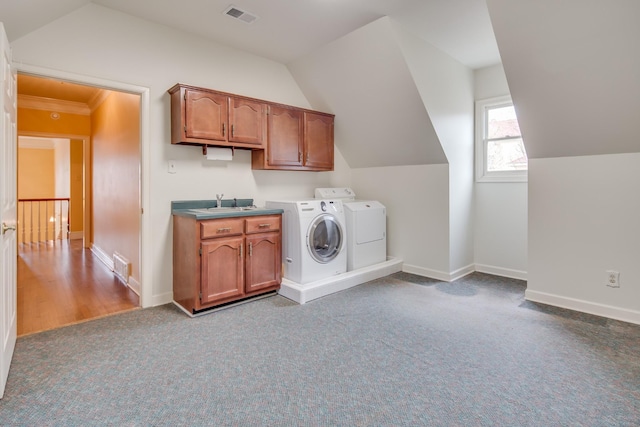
(324, 239)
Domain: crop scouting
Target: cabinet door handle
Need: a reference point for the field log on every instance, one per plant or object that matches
(240, 252)
(232, 130)
(250, 249)
(264, 226)
(224, 230)
(223, 128)
(299, 157)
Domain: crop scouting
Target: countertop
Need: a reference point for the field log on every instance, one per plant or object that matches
(206, 209)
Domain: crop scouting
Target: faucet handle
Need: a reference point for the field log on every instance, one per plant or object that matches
(219, 196)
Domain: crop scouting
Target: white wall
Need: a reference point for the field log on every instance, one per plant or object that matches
(417, 202)
(584, 219)
(500, 207)
(102, 43)
(401, 105)
(363, 78)
(572, 68)
(446, 89)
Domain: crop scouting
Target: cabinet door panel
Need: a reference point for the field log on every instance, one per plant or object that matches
(264, 261)
(318, 141)
(285, 141)
(247, 121)
(206, 115)
(222, 269)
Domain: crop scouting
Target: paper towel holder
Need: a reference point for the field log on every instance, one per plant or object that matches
(204, 150)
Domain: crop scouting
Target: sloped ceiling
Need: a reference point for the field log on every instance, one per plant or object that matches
(573, 69)
(364, 80)
(287, 29)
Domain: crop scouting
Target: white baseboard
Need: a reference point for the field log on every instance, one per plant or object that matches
(499, 271)
(102, 256)
(161, 299)
(75, 235)
(134, 285)
(617, 313)
(303, 293)
(439, 275)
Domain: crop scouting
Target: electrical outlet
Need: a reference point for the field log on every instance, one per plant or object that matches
(613, 279)
(171, 166)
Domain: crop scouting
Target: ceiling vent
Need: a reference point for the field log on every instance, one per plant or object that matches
(240, 14)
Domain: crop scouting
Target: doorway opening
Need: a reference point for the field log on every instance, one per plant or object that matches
(66, 274)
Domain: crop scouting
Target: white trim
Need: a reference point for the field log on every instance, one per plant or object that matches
(161, 299)
(147, 299)
(102, 256)
(617, 313)
(426, 272)
(439, 275)
(303, 293)
(37, 142)
(134, 285)
(480, 148)
(500, 271)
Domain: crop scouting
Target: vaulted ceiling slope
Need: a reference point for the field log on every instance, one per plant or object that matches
(398, 100)
(363, 78)
(573, 69)
(287, 29)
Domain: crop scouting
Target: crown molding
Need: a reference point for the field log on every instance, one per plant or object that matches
(97, 99)
(57, 105)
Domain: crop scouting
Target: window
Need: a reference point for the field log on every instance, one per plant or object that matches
(500, 152)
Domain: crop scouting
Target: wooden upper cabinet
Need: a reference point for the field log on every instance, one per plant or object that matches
(285, 136)
(247, 121)
(318, 141)
(297, 139)
(281, 137)
(207, 117)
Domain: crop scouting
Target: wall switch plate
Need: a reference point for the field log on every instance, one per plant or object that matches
(613, 279)
(171, 167)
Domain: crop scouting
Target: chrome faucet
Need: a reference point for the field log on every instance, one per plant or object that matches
(219, 199)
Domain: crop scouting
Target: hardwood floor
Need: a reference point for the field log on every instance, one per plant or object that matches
(63, 283)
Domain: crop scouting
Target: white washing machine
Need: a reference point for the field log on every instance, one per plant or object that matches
(366, 222)
(313, 239)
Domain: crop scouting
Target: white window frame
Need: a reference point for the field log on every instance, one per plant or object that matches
(482, 175)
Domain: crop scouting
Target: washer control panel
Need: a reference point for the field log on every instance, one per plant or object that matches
(335, 193)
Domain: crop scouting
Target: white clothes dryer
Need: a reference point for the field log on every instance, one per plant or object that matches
(313, 239)
(366, 222)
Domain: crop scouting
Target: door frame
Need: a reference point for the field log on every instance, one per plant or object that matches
(146, 282)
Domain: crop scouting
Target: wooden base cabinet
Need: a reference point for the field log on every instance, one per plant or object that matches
(217, 261)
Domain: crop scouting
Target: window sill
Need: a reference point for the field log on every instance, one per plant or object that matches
(504, 177)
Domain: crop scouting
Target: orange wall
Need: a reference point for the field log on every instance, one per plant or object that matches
(115, 144)
(36, 180)
(36, 173)
(75, 182)
(40, 121)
